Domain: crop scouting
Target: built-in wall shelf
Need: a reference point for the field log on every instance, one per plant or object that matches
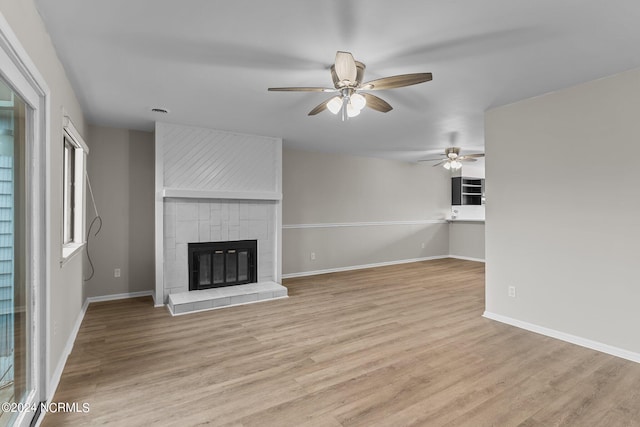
(466, 191)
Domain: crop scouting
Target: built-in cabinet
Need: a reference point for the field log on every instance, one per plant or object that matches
(467, 191)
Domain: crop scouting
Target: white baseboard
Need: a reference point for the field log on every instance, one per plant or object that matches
(573, 339)
(361, 267)
(57, 374)
(125, 295)
(155, 301)
(466, 258)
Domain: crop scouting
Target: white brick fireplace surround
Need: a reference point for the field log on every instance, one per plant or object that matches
(216, 186)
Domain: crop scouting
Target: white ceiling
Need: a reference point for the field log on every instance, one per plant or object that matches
(210, 63)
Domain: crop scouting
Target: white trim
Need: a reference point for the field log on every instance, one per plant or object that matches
(216, 194)
(467, 258)
(361, 267)
(573, 339)
(70, 250)
(57, 374)
(79, 211)
(27, 71)
(158, 295)
(365, 224)
(73, 133)
(23, 76)
(114, 297)
(277, 261)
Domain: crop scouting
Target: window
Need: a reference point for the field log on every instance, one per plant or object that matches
(68, 193)
(73, 192)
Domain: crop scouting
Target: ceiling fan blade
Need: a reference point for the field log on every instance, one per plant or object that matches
(473, 155)
(466, 159)
(433, 160)
(345, 67)
(440, 163)
(301, 89)
(376, 103)
(334, 76)
(320, 108)
(397, 81)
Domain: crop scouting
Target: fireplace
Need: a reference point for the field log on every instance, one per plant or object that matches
(217, 264)
(236, 195)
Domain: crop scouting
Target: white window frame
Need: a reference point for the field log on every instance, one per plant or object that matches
(21, 73)
(78, 211)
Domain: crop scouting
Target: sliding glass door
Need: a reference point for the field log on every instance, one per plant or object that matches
(16, 382)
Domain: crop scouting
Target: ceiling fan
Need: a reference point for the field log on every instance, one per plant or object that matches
(347, 74)
(453, 160)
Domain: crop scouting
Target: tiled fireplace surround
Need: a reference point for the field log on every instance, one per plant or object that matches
(203, 220)
(216, 186)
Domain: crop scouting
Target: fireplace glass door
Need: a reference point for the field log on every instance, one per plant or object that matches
(216, 264)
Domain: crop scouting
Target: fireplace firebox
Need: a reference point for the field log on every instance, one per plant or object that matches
(217, 264)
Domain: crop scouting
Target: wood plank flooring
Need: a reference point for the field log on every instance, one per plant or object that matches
(402, 345)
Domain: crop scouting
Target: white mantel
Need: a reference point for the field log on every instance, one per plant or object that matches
(214, 185)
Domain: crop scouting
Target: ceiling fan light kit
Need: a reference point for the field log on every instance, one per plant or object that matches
(453, 165)
(334, 104)
(347, 74)
(351, 110)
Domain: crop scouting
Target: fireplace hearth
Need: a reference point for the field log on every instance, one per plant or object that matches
(218, 264)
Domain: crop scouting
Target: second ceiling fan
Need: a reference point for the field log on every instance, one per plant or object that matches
(452, 158)
(347, 74)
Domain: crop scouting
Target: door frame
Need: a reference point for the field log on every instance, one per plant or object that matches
(21, 73)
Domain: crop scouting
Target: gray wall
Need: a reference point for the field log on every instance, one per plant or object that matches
(563, 212)
(121, 170)
(66, 291)
(324, 189)
(466, 240)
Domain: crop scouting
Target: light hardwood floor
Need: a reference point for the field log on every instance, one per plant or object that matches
(392, 346)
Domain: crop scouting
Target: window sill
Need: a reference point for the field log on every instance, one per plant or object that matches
(69, 251)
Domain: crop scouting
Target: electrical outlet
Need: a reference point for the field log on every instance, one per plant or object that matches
(116, 272)
(313, 256)
(423, 245)
(55, 328)
(512, 291)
